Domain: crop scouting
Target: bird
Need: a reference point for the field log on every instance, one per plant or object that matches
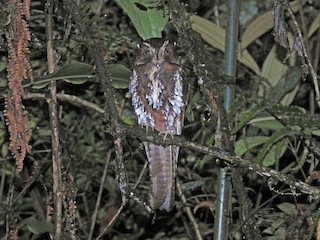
(156, 87)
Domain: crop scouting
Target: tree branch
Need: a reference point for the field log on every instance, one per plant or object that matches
(54, 125)
(222, 155)
(68, 98)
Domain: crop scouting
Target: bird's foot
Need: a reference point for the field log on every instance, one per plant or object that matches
(165, 136)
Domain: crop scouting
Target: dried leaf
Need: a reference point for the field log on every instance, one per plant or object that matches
(280, 26)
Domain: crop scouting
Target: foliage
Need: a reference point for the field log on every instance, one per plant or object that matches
(273, 121)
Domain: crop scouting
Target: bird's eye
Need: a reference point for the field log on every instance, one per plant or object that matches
(167, 52)
(146, 52)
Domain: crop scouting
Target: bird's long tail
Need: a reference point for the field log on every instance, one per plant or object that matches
(162, 166)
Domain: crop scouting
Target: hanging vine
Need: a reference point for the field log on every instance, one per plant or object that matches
(18, 69)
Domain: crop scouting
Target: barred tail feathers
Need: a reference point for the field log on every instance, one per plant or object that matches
(162, 167)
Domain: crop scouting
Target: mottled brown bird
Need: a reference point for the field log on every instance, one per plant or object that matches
(156, 88)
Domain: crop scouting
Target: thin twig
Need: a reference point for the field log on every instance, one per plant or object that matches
(187, 209)
(9, 205)
(96, 209)
(317, 50)
(54, 124)
(68, 98)
(305, 54)
(303, 26)
(141, 175)
(112, 220)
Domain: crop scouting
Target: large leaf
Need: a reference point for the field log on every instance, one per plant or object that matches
(274, 67)
(215, 36)
(120, 76)
(285, 84)
(75, 73)
(288, 208)
(260, 26)
(148, 17)
(271, 151)
(78, 73)
(38, 227)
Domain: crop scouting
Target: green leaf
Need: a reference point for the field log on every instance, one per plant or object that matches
(272, 150)
(127, 117)
(266, 123)
(288, 208)
(287, 83)
(38, 227)
(75, 73)
(148, 17)
(191, 105)
(120, 76)
(275, 153)
(273, 68)
(215, 36)
(316, 132)
(3, 83)
(4, 150)
(276, 229)
(247, 115)
(314, 25)
(243, 145)
(3, 65)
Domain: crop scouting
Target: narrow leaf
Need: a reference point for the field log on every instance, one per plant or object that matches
(75, 72)
(243, 145)
(191, 185)
(267, 123)
(269, 145)
(275, 153)
(314, 25)
(215, 36)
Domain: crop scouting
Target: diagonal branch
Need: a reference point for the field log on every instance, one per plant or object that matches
(228, 158)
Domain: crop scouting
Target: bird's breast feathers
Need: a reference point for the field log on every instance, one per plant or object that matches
(157, 98)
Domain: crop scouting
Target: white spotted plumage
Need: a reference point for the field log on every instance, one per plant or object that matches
(156, 89)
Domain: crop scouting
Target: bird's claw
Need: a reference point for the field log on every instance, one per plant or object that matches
(165, 136)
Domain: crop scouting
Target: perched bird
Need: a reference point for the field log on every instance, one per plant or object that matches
(156, 89)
